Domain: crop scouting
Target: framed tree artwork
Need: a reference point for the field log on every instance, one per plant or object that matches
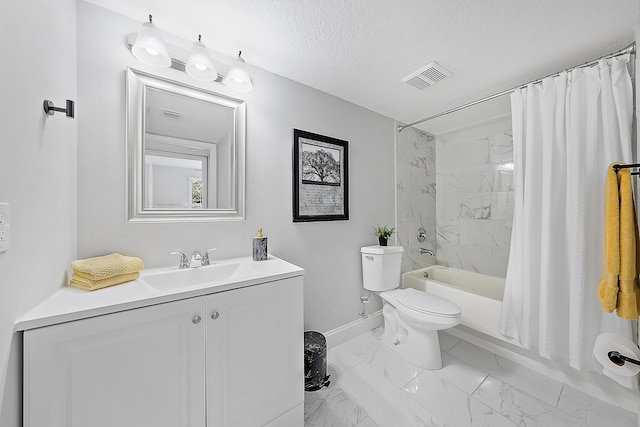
(320, 178)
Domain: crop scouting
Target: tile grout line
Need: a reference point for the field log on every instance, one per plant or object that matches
(454, 346)
(559, 396)
(479, 385)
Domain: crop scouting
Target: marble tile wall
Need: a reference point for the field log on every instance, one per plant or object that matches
(474, 200)
(415, 196)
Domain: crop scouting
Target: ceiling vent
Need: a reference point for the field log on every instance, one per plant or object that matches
(427, 76)
(171, 114)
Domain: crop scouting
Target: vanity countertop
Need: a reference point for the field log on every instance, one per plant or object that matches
(68, 303)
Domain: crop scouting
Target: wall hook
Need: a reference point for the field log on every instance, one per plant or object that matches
(50, 109)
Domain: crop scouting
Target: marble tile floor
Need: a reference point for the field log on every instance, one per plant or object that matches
(373, 385)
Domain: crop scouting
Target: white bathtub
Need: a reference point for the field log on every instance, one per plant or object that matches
(479, 296)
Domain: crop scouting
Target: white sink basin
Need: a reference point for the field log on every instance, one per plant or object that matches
(157, 286)
(189, 277)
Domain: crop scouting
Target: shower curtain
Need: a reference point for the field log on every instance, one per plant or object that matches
(566, 131)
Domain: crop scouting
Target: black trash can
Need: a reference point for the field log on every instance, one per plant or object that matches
(315, 361)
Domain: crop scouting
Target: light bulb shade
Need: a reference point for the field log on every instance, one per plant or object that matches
(149, 47)
(199, 66)
(238, 77)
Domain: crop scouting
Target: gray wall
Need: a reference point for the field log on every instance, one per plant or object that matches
(328, 251)
(37, 170)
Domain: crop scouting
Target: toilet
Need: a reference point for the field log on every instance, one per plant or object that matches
(411, 317)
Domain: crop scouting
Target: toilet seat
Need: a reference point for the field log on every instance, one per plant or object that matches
(426, 303)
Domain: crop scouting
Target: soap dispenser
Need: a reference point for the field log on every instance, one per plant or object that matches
(259, 247)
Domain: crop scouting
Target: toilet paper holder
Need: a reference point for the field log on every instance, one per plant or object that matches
(620, 360)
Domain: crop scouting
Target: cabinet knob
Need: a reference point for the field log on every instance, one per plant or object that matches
(215, 315)
(196, 319)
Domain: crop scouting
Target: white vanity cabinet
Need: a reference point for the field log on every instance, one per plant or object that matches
(255, 349)
(231, 358)
(140, 367)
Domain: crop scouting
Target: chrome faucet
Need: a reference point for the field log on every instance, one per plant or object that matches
(184, 261)
(205, 257)
(197, 259)
(426, 251)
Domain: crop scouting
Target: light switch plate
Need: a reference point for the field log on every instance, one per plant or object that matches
(5, 228)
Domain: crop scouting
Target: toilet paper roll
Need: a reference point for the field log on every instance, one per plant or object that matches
(613, 342)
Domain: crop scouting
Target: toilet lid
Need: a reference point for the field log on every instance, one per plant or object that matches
(425, 302)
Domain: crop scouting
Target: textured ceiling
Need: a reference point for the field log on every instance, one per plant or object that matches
(359, 50)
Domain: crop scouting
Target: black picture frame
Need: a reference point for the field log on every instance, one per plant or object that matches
(320, 177)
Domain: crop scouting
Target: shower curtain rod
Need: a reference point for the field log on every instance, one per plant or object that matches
(630, 49)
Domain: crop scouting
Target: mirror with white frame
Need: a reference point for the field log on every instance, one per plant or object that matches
(185, 152)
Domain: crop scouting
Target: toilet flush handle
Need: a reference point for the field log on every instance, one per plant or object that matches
(369, 257)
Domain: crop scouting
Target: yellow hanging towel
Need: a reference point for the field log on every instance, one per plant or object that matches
(618, 285)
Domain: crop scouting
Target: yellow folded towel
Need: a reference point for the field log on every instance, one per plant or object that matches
(92, 285)
(618, 285)
(105, 267)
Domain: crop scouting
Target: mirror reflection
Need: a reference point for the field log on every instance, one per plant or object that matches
(186, 152)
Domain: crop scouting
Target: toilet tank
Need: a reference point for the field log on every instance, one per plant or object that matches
(381, 267)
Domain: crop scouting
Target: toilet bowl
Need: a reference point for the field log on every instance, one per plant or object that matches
(411, 317)
(419, 316)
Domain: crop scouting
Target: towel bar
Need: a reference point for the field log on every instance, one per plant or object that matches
(616, 168)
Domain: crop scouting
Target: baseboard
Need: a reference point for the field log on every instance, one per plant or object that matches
(592, 383)
(352, 329)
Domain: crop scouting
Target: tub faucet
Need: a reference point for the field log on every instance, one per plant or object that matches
(426, 251)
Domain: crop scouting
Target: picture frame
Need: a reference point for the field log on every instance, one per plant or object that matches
(320, 177)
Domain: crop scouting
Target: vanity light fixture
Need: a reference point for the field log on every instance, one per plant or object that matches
(199, 66)
(149, 46)
(238, 77)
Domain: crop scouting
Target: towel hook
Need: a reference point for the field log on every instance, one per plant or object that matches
(50, 109)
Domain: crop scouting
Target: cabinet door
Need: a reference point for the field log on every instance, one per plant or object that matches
(136, 368)
(255, 368)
